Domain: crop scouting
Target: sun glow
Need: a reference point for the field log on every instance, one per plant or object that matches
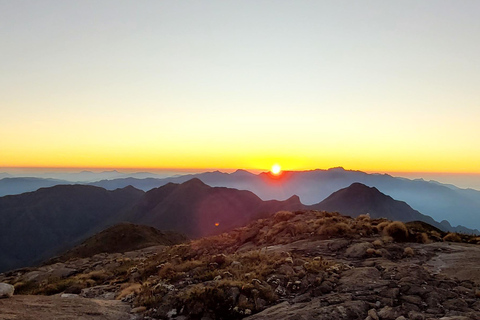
(276, 169)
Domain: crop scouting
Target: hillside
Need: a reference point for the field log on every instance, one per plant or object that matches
(360, 199)
(196, 209)
(293, 265)
(37, 225)
(121, 238)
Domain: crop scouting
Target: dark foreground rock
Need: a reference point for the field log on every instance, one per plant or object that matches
(56, 307)
(294, 266)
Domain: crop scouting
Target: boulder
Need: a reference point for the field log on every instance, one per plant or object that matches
(6, 290)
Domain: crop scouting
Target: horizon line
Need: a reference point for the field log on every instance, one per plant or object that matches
(228, 170)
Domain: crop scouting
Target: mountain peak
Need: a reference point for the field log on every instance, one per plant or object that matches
(359, 187)
(242, 172)
(338, 169)
(194, 182)
(359, 199)
(293, 199)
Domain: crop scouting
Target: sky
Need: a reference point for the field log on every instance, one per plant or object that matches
(379, 86)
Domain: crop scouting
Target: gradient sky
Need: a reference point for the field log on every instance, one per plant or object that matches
(368, 85)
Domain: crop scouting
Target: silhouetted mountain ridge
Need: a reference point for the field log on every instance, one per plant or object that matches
(39, 224)
(360, 199)
(197, 209)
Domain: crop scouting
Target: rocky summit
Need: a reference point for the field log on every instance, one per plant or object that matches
(292, 265)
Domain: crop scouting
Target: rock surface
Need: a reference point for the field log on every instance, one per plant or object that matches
(54, 307)
(287, 272)
(6, 290)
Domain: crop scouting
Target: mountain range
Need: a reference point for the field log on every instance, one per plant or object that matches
(440, 201)
(37, 225)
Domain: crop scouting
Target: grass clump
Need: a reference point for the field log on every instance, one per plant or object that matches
(397, 230)
(452, 237)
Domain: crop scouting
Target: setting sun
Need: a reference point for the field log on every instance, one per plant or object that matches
(276, 169)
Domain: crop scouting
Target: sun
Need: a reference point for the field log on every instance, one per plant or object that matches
(276, 169)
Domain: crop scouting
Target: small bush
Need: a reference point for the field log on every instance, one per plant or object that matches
(423, 238)
(377, 243)
(452, 237)
(408, 252)
(56, 285)
(335, 229)
(363, 217)
(28, 287)
(283, 216)
(382, 225)
(129, 288)
(98, 275)
(397, 230)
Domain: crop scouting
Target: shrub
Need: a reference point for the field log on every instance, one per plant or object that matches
(98, 275)
(397, 230)
(382, 225)
(452, 237)
(283, 216)
(28, 287)
(363, 227)
(423, 238)
(129, 288)
(335, 229)
(378, 243)
(408, 252)
(363, 217)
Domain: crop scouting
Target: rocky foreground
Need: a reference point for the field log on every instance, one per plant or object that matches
(303, 265)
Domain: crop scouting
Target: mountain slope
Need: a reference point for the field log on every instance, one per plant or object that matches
(197, 209)
(122, 237)
(11, 186)
(37, 225)
(360, 199)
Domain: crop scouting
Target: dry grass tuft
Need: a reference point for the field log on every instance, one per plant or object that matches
(408, 252)
(423, 238)
(452, 237)
(397, 230)
(129, 288)
(283, 216)
(377, 243)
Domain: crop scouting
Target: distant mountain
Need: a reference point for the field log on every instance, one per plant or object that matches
(122, 237)
(360, 199)
(441, 202)
(11, 186)
(197, 209)
(5, 175)
(37, 225)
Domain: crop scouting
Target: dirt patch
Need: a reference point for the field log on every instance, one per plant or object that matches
(54, 307)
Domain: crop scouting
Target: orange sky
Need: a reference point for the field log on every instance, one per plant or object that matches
(307, 85)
